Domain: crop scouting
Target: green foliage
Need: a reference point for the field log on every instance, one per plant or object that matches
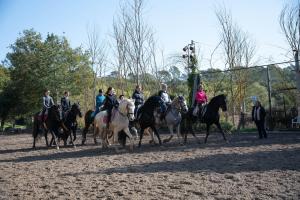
(36, 65)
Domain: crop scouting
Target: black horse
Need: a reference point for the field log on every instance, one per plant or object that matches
(146, 118)
(210, 117)
(53, 124)
(70, 120)
(88, 120)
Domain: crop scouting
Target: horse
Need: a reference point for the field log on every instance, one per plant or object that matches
(88, 120)
(146, 116)
(173, 117)
(53, 123)
(211, 116)
(70, 120)
(119, 122)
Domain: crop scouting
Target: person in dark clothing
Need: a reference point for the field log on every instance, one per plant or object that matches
(138, 97)
(109, 103)
(47, 103)
(65, 103)
(258, 116)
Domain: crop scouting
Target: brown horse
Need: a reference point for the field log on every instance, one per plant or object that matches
(88, 121)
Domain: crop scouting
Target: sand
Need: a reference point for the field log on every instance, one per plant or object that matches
(246, 168)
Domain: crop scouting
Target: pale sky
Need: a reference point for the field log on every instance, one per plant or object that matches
(175, 23)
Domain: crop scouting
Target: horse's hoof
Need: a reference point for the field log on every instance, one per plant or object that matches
(165, 140)
(74, 146)
(57, 147)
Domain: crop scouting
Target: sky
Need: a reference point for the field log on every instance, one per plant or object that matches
(175, 23)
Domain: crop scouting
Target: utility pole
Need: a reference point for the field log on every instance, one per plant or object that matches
(189, 53)
(269, 96)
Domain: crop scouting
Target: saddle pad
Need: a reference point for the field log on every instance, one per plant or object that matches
(105, 119)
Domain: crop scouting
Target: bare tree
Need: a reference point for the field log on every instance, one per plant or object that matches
(133, 40)
(290, 24)
(239, 51)
(97, 52)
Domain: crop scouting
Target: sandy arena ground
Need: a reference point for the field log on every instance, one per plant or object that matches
(246, 168)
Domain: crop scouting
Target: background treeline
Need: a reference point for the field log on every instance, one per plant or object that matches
(35, 64)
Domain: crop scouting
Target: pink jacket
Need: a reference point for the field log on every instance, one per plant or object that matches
(201, 97)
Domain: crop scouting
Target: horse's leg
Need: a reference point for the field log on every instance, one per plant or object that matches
(207, 132)
(54, 139)
(157, 135)
(171, 129)
(46, 137)
(85, 130)
(179, 134)
(222, 131)
(141, 137)
(193, 134)
(74, 132)
(96, 132)
(130, 138)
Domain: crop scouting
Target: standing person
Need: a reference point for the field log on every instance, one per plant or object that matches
(65, 103)
(138, 97)
(201, 100)
(258, 116)
(100, 98)
(47, 103)
(166, 99)
(109, 103)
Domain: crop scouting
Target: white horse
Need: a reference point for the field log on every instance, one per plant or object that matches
(119, 121)
(173, 117)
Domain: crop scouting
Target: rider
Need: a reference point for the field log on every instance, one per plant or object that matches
(138, 96)
(201, 99)
(65, 103)
(165, 97)
(109, 103)
(100, 98)
(47, 103)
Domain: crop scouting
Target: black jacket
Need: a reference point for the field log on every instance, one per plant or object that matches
(262, 113)
(110, 102)
(139, 98)
(65, 104)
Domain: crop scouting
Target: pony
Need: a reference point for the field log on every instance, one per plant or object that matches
(146, 116)
(88, 121)
(70, 120)
(211, 116)
(53, 124)
(173, 117)
(119, 122)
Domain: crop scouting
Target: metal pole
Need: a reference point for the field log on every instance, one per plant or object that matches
(269, 95)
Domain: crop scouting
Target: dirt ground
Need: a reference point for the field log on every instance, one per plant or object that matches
(245, 168)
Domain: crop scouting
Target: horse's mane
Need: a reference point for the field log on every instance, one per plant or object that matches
(123, 104)
(151, 103)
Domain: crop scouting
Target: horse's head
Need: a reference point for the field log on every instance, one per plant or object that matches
(53, 113)
(76, 109)
(180, 104)
(126, 107)
(222, 102)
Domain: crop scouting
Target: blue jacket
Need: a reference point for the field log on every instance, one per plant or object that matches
(99, 100)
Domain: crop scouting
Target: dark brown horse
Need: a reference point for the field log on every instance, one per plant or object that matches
(210, 117)
(70, 120)
(53, 124)
(88, 121)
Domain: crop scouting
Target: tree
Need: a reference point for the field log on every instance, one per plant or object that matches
(4, 77)
(36, 65)
(134, 41)
(290, 25)
(239, 51)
